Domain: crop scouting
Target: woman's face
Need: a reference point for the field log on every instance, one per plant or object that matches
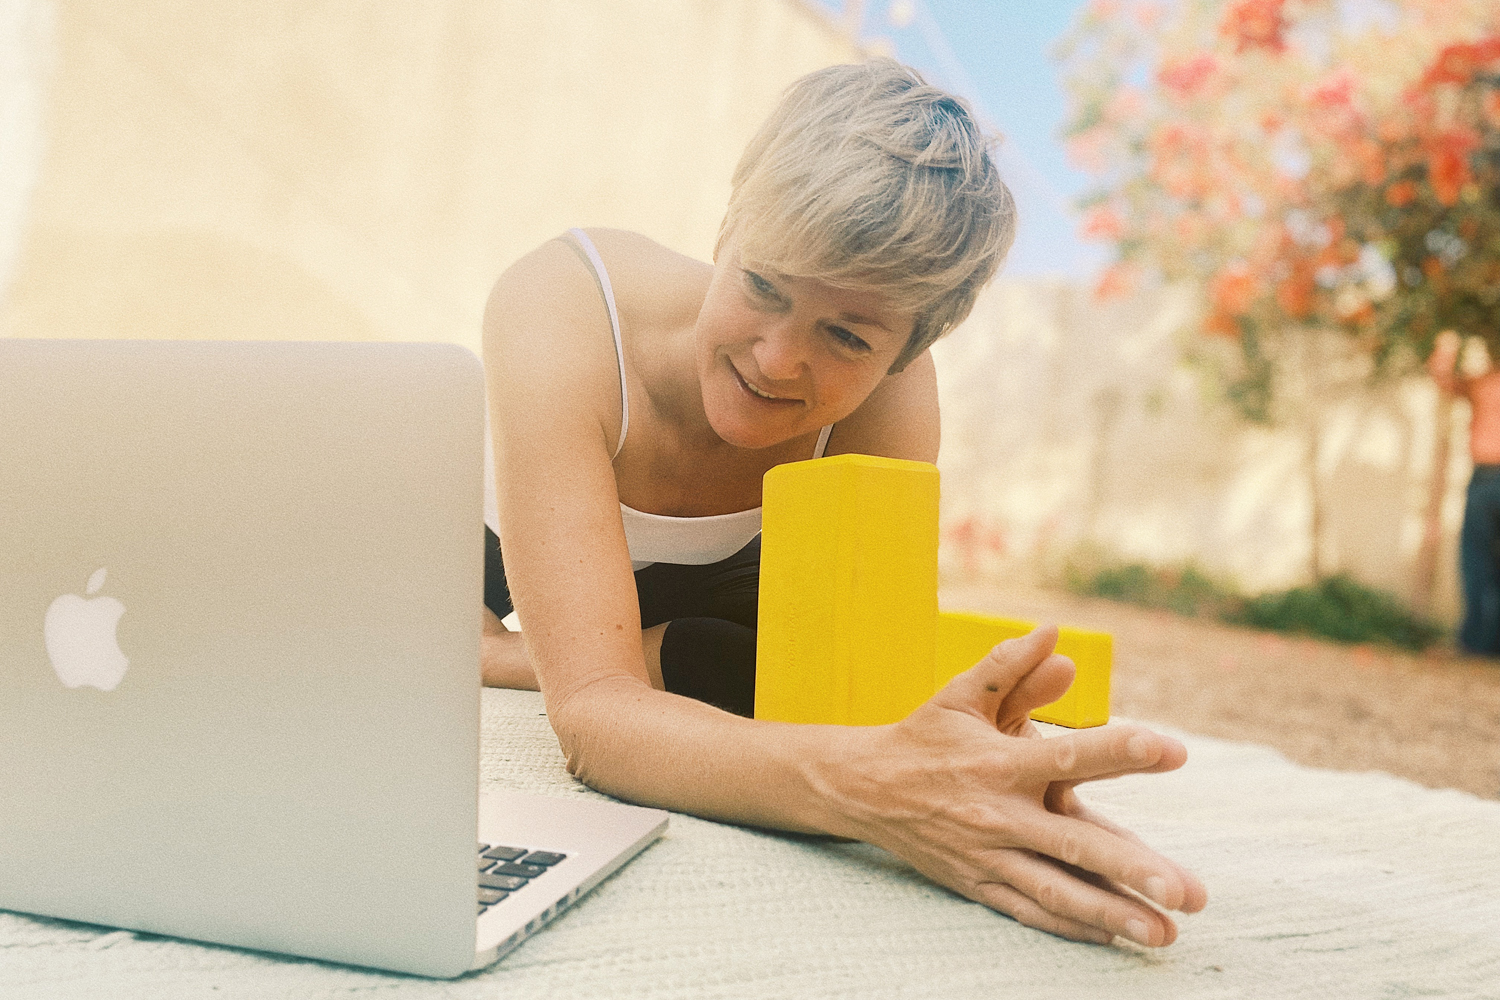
(779, 357)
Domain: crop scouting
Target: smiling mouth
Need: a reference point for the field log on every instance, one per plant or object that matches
(757, 391)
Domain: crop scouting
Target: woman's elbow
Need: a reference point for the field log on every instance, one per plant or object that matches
(586, 718)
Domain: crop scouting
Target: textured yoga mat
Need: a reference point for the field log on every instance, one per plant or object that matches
(1321, 884)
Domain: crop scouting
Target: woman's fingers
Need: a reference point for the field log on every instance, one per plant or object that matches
(1195, 896)
(1025, 910)
(984, 687)
(1105, 752)
(1047, 681)
(1122, 860)
(1092, 902)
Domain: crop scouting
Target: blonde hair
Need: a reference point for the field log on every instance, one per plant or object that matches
(867, 177)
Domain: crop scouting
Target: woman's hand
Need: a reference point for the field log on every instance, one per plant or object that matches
(967, 791)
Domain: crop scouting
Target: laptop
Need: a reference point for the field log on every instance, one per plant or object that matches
(240, 591)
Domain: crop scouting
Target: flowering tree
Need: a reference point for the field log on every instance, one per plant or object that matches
(1321, 171)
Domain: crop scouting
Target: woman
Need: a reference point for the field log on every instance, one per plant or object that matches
(638, 397)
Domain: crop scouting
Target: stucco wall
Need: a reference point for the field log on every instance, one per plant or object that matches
(343, 170)
(1070, 424)
(346, 170)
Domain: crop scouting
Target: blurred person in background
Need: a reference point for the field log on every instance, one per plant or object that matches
(637, 399)
(1469, 373)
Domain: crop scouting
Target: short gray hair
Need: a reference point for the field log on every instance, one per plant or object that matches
(867, 177)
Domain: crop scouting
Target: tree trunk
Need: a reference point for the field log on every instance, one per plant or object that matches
(1315, 498)
(1425, 570)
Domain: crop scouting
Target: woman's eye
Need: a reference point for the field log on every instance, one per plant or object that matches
(761, 286)
(848, 339)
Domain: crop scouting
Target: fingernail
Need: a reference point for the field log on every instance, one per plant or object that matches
(1156, 888)
(1139, 747)
(1138, 932)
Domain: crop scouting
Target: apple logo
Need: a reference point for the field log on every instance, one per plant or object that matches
(81, 640)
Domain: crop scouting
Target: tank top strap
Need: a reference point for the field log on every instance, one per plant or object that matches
(601, 275)
(822, 440)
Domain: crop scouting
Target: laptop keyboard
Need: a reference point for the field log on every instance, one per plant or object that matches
(503, 870)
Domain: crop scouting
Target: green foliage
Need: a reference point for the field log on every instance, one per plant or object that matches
(1185, 591)
(1338, 608)
(1341, 608)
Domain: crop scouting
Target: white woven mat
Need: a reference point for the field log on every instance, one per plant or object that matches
(1321, 884)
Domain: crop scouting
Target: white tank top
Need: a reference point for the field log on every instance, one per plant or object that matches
(651, 538)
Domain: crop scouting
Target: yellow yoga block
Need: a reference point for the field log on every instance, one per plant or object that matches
(964, 639)
(848, 590)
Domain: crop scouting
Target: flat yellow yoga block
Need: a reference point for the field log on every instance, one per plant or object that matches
(964, 639)
(848, 590)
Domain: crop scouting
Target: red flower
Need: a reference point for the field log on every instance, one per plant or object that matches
(1295, 294)
(1334, 90)
(1186, 77)
(1400, 193)
(1220, 325)
(1233, 289)
(1448, 162)
(1458, 63)
(1181, 161)
(1118, 281)
(1256, 24)
(1103, 223)
(1371, 160)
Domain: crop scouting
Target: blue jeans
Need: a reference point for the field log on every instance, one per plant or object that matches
(1479, 561)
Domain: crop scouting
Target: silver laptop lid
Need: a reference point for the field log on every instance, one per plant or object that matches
(283, 752)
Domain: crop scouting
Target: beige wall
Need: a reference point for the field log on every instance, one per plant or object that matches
(305, 169)
(343, 170)
(1071, 425)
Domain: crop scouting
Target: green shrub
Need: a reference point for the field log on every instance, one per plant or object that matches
(1339, 608)
(1186, 591)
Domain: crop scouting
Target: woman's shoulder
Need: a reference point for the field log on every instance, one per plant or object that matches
(546, 322)
(898, 420)
(654, 285)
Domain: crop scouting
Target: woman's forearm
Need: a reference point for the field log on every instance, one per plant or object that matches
(664, 750)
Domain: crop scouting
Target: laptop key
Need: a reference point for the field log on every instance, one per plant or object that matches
(546, 858)
(483, 847)
(523, 871)
(507, 882)
(485, 863)
(489, 897)
(500, 853)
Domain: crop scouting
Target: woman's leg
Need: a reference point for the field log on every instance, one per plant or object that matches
(1478, 541)
(698, 628)
(712, 660)
(710, 612)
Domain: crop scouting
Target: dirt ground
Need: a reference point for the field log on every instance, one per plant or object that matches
(1433, 718)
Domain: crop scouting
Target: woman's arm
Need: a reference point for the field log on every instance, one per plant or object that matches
(946, 788)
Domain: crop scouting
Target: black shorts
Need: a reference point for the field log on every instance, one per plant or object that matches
(708, 648)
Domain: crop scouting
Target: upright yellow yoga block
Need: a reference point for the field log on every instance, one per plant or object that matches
(964, 639)
(848, 590)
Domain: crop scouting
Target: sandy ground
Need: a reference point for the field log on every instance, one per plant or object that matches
(1432, 718)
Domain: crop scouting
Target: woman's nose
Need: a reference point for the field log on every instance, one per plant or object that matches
(780, 352)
